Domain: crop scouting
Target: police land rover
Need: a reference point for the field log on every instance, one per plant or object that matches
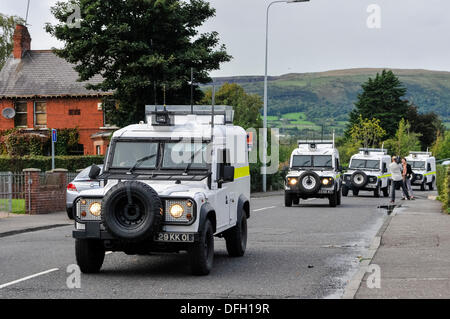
(170, 185)
(314, 172)
(423, 165)
(368, 171)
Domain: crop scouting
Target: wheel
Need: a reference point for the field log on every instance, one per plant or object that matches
(376, 192)
(90, 254)
(333, 199)
(431, 185)
(296, 200)
(344, 190)
(201, 254)
(359, 179)
(385, 191)
(339, 198)
(287, 200)
(132, 211)
(236, 238)
(355, 192)
(69, 211)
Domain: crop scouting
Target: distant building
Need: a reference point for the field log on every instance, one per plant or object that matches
(43, 90)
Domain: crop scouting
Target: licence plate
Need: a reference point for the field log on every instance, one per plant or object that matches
(174, 237)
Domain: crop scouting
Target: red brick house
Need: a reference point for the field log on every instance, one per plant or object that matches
(43, 91)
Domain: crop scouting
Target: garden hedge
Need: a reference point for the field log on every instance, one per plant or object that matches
(71, 163)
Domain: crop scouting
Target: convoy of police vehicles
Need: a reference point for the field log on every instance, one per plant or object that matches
(182, 178)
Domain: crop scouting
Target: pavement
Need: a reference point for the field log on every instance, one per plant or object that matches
(13, 224)
(413, 258)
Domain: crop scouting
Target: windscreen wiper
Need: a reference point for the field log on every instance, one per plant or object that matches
(139, 162)
(188, 167)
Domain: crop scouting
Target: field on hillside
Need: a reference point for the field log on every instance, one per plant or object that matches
(305, 102)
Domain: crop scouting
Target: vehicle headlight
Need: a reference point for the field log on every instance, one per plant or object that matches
(292, 181)
(95, 209)
(176, 210)
(327, 181)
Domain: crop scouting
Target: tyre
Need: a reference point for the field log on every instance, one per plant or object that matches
(339, 198)
(376, 192)
(345, 191)
(431, 185)
(385, 191)
(70, 213)
(90, 254)
(131, 211)
(287, 200)
(333, 199)
(355, 192)
(359, 179)
(201, 254)
(236, 238)
(309, 182)
(296, 200)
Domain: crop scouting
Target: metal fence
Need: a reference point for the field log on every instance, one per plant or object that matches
(12, 192)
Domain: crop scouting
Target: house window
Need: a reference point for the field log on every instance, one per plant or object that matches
(20, 120)
(74, 112)
(40, 114)
(98, 150)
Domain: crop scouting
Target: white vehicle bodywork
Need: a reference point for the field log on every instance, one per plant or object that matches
(368, 170)
(423, 165)
(220, 201)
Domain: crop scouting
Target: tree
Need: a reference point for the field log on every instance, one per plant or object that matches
(7, 26)
(367, 132)
(382, 99)
(247, 107)
(427, 125)
(404, 140)
(144, 50)
(441, 147)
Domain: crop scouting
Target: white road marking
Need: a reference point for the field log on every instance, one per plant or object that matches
(28, 277)
(264, 208)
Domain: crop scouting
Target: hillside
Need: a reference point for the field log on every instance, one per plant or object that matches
(308, 100)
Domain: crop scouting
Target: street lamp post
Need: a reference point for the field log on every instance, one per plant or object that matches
(264, 164)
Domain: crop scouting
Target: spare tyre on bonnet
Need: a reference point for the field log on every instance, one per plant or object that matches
(170, 185)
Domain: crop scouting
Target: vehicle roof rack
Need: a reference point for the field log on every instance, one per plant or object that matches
(377, 150)
(182, 110)
(420, 153)
(315, 142)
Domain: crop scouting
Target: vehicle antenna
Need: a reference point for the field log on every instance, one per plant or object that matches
(28, 8)
(192, 90)
(164, 98)
(154, 92)
(213, 101)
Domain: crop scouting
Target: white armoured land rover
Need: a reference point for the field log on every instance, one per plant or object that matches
(314, 172)
(368, 170)
(423, 165)
(170, 185)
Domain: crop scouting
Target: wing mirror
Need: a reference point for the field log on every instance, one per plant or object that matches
(228, 174)
(94, 172)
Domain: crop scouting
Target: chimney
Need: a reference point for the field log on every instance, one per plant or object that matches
(22, 41)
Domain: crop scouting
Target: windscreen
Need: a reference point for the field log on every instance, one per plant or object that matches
(312, 161)
(364, 164)
(418, 164)
(127, 154)
(180, 155)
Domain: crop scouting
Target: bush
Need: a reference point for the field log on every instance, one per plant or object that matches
(71, 163)
(445, 197)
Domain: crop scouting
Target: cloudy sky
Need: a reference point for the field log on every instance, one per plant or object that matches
(308, 37)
